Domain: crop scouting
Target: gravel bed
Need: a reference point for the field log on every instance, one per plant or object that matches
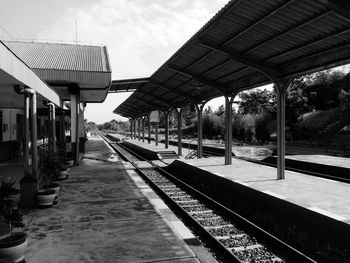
(196, 208)
(204, 215)
(157, 181)
(175, 189)
(182, 198)
(256, 255)
(166, 185)
(186, 203)
(213, 222)
(225, 231)
(242, 241)
(184, 194)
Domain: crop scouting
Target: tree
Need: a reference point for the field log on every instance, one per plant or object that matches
(256, 101)
(322, 89)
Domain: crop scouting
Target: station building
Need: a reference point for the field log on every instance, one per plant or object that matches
(50, 83)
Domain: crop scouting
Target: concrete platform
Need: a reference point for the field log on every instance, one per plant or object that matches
(330, 198)
(106, 213)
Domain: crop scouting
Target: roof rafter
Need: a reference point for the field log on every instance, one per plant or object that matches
(127, 112)
(310, 43)
(201, 79)
(244, 59)
(158, 98)
(150, 103)
(341, 7)
(292, 29)
(262, 19)
(170, 89)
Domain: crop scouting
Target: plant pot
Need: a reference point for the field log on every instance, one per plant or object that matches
(69, 162)
(55, 187)
(12, 248)
(62, 175)
(44, 198)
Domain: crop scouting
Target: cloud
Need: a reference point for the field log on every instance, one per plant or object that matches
(140, 34)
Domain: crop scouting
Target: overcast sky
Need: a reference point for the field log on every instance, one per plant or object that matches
(140, 34)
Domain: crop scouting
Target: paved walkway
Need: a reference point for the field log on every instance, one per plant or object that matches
(324, 196)
(103, 217)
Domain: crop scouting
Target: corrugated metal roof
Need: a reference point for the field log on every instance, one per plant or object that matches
(247, 44)
(62, 64)
(62, 56)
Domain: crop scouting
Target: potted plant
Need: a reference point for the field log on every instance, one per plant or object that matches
(63, 169)
(8, 190)
(68, 159)
(13, 244)
(49, 168)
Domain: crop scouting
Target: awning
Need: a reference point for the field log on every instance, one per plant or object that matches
(13, 71)
(66, 67)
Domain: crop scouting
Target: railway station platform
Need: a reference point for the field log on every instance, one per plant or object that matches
(327, 197)
(106, 213)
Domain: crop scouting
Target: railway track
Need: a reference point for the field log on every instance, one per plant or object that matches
(231, 236)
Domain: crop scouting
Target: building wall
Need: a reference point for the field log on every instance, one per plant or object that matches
(9, 123)
(8, 144)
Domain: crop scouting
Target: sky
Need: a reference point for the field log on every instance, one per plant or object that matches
(140, 35)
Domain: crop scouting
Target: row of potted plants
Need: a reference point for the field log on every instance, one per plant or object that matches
(53, 168)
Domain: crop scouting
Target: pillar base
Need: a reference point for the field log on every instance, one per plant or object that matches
(75, 154)
(28, 189)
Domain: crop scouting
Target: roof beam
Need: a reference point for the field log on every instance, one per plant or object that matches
(201, 79)
(261, 20)
(170, 89)
(306, 22)
(150, 103)
(158, 98)
(244, 59)
(334, 57)
(132, 107)
(341, 7)
(309, 44)
(129, 82)
(124, 113)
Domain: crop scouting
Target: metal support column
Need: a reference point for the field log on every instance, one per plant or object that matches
(143, 129)
(179, 131)
(62, 131)
(75, 101)
(166, 135)
(139, 128)
(34, 137)
(131, 127)
(26, 133)
(29, 182)
(228, 129)
(156, 139)
(133, 122)
(200, 130)
(52, 123)
(281, 90)
(149, 129)
(135, 129)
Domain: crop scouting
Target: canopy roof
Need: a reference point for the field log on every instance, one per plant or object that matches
(14, 72)
(62, 65)
(247, 44)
